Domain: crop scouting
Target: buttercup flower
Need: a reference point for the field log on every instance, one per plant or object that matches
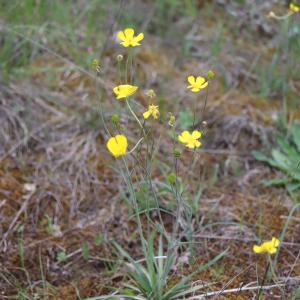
(190, 140)
(152, 111)
(128, 39)
(125, 90)
(117, 145)
(267, 247)
(196, 84)
(295, 8)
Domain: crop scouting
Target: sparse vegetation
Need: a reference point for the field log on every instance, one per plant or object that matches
(135, 138)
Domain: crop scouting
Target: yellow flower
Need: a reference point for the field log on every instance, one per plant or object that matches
(128, 39)
(295, 8)
(117, 145)
(124, 90)
(191, 140)
(267, 247)
(197, 84)
(152, 111)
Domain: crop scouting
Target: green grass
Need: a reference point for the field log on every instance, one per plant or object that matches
(286, 158)
(62, 27)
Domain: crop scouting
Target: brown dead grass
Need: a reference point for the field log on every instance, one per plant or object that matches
(60, 151)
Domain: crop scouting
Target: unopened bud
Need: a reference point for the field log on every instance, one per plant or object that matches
(172, 178)
(115, 119)
(210, 75)
(172, 120)
(177, 153)
(150, 94)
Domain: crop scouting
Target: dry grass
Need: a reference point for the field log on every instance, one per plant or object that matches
(52, 138)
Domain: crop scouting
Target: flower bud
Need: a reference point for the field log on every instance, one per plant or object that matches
(172, 178)
(172, 120)
(150, 94)
(177, 152)
(210, 75)
(115, 119)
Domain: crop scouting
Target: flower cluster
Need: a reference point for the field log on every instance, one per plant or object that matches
(117, 145)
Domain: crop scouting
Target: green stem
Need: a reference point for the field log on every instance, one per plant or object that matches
(129, 59)
(135, 116)
(263, 280)
(99, 96)
(134, 201)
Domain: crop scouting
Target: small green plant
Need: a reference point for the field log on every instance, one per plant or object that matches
(285, 158)
(62, 256)
(150, 277)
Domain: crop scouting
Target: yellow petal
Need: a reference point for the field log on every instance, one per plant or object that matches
(146, 114)
(257, 249)
(129, 33)
(272, 250)
(134, 43)
(117, 145)
(195, 90)
(121, 36)
(191, 80)
(125, 44)
(204, 85)
(190, 145)
(124, 90)
(275, 242)
(196, 134)
(116, 90)
(197, 144)
(186, 135)
(131, 90)
(200, 80)
(139, 37)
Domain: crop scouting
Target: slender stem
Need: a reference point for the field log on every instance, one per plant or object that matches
(119, 72)
(135, 116)
(134, 200)
(136, 145)
(263, 280)
(129, 59)
(99, 96)
(205, 102)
